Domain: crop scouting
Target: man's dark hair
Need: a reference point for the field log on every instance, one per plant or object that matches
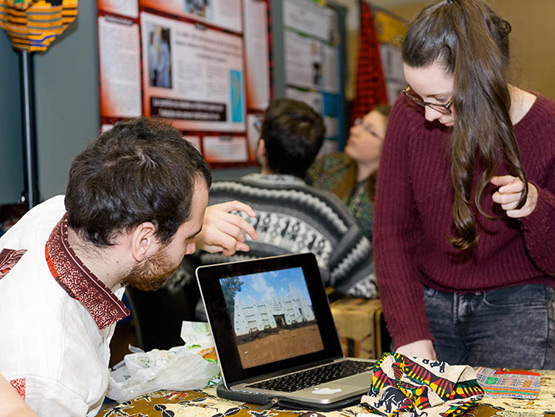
(141, 170)
(293, 134)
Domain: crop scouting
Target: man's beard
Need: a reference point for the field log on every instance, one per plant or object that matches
(150, 274)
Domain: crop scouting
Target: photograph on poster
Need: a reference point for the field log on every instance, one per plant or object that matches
(201, 8)
(203, 87)
(159, 56)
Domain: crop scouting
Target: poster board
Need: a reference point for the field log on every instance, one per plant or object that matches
(309, 61)
(391, 29)
(202, 65)
(212, 67)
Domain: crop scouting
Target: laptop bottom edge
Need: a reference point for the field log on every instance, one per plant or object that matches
(271, 400)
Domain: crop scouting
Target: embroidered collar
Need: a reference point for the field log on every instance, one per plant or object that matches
(79, 282)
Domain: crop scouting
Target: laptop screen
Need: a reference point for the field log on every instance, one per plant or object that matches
(268, 315)
(272, 316)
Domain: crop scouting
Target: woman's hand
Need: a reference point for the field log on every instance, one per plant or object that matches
(508, 195)
(421, 349)
(223, 231)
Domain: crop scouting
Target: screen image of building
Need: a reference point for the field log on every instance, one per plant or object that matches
(272, 312)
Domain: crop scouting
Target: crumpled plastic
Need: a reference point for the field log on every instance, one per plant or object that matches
(181, 368)
(411, 387)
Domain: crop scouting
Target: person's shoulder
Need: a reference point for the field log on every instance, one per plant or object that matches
(337, 159)
(35, 225)
(544, 107)
(540, 118)
(330, 163)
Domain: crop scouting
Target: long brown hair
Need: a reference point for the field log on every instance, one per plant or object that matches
(471, 41)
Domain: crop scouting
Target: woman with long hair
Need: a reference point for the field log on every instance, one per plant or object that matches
(351, 174)
(464, 229)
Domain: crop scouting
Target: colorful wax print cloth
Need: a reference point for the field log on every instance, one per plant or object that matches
(32, 25)
(410, 387)
(502, 383)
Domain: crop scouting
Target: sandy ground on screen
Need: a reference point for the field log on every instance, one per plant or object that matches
(282, 345)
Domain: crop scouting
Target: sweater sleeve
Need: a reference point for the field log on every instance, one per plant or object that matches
(397, 232)
(539, 227)
(538, 150)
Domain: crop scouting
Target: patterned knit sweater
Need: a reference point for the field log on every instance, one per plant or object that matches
(413, 218)
(292, 217)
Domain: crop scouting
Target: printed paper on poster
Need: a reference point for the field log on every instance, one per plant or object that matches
(192, 75)
(129, 8)
(225, 14)
(331, 69)
(225, 148)
(313, 98)
(303, 61)
(120, 80)
(310, 18)
(194, 140)
(257, 69)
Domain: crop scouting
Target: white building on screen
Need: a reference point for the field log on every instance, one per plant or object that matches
(272, 312)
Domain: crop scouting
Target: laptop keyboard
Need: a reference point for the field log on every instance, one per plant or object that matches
(315, 376)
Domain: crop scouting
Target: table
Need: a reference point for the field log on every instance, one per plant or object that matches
(205, 403)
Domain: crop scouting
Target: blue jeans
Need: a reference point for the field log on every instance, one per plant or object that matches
(511, 327)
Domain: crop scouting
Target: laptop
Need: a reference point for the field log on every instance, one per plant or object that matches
(275, 337)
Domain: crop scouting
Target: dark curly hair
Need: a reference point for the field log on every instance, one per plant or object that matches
(141, 170)
(293, 134)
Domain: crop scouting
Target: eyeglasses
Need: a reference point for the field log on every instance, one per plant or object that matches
(441, 108)
(358, 122)
(258, 125)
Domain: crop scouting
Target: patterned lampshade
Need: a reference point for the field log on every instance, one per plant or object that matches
(33, 25)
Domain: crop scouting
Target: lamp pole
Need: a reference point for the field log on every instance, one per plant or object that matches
(31, 193)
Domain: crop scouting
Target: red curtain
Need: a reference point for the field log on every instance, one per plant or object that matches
(370, 81)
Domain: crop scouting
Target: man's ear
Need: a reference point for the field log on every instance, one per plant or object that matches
(261, 147)
(261, 152)
(143, 241)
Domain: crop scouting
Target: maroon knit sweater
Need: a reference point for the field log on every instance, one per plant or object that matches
(413, 218)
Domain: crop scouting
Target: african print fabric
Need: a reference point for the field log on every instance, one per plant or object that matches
(33, 25)
(421, 387)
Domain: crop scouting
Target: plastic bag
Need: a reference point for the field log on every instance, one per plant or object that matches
(179, 368)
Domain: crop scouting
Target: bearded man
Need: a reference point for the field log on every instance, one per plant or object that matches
(134, 207)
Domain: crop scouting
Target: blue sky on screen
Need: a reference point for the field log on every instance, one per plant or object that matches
(257, 287)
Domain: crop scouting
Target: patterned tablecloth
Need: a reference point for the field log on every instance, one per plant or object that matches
(205, 403)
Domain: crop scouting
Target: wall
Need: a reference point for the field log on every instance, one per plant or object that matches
(66, 96)
(533, 52)
(11, 136)
(532, 46)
